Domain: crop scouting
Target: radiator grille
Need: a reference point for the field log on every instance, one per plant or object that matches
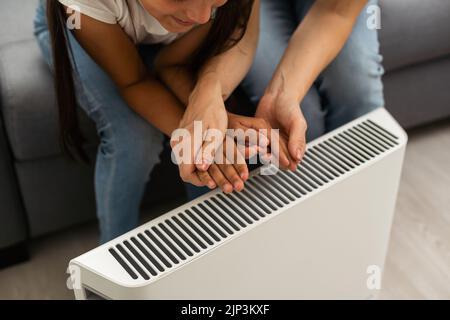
(192, 231)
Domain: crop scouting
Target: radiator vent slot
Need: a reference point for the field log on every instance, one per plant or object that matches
(184, 235)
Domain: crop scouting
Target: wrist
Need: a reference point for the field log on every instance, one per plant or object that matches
(231, 117)
(204, 90)
(287, 84)
(206, 95)
(209, 82)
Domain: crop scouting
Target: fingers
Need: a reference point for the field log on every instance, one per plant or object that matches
(279, 153)
(185, 147)
(285, 160)
(223, 173)
(189, 174)
(231, 174)
(297, 138)
(220, 179)
(211, 143)
(260, 133)
(206, 179)
(185, 161)
(242, 171)
(230, 170)
(239, 173)
(250, 151)
(227, 177)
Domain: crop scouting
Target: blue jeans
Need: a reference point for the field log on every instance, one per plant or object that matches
(129, 146)
(348, 88)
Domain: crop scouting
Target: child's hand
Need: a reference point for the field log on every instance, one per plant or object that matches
(206, 106)
(229, 170)
(253, 136)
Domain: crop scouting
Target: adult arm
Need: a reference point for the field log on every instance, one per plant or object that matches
(316, 42)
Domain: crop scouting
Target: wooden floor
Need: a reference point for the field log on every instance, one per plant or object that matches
(418, 262)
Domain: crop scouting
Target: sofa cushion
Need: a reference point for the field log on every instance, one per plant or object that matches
(414, 31)
(28, 103)
(12, 219)
(16, 20)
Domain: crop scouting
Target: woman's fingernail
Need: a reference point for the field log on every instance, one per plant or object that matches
(227, 188)
(299, 154)
(206, 160)
(212, 185)
(203, 167)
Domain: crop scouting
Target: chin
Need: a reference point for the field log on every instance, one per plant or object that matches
(176, 28)
(172, 26)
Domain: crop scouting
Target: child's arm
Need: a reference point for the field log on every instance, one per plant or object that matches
(111, 48)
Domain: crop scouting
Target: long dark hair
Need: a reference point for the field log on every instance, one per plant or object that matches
(228, 28)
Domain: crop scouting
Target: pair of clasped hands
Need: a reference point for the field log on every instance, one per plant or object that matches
(275, 111)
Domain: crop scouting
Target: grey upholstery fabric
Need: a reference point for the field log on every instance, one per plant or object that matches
(414, 31)
(420, 93)
(57, 193)
(28, 102)
(13, 224)
(16, 19)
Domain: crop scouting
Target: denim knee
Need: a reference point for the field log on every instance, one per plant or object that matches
(132, 140)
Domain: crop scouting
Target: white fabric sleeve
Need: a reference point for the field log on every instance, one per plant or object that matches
(106, 11)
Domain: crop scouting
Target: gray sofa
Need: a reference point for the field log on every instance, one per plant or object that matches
(41, 191)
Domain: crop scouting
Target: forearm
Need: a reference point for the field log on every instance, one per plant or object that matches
(155, 103)
(186, 87)
(180, 81)
(226, 70)
(230, 67)
(315, 43)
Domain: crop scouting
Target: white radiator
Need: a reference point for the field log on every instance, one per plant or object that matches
(310, 234)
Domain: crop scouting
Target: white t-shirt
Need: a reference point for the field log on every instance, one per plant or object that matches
(137, 23)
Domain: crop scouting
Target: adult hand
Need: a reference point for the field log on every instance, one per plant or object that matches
(283, 112)
(229, 170)
(206, 105)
